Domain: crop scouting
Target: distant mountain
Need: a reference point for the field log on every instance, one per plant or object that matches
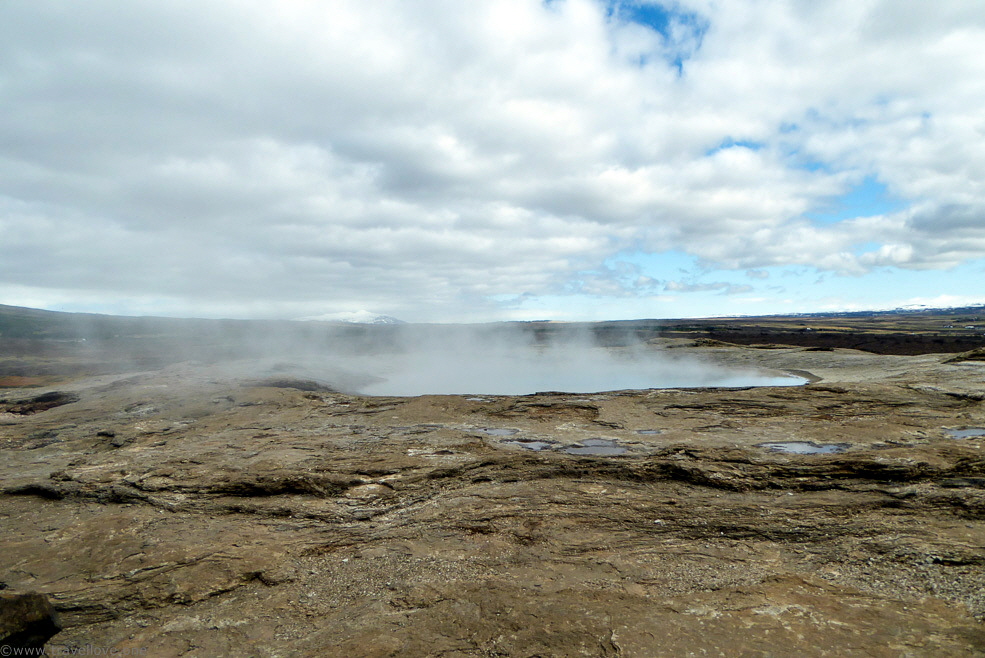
(384, 319)
(355, 317)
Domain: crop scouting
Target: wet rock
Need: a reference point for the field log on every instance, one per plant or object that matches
(308, 385)
(38, 403)
(27, 621)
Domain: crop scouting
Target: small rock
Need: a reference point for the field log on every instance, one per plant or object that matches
(27, 621)
(367, 491)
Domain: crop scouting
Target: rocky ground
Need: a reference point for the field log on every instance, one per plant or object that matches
(195, 511)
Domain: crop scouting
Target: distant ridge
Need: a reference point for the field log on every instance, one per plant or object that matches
(379, 319)
(354, 317)
(150, 340)
(27, 314)
(901, 310)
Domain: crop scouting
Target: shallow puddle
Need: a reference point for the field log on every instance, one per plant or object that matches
(649, 432)
(967, 433)
(603, 447)
(536, 446)
(805, 447)
(499, 431)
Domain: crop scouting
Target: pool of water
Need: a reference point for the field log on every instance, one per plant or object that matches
(530, 444)
(967, 433)
(523, 372)
(603, 447)
(805, 447)
(499, 431)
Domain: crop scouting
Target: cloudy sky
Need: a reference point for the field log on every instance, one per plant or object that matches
(441, 160)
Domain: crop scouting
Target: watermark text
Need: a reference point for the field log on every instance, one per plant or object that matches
(66, 650)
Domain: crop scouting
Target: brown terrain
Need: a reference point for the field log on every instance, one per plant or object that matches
(174, 505)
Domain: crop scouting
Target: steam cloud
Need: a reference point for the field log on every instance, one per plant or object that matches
(403, 360)
(510, 361)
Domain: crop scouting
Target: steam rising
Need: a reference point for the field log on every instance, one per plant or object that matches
(506, 360)
(566, 368)
(403, 360)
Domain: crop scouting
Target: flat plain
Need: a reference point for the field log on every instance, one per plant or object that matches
(175, 486)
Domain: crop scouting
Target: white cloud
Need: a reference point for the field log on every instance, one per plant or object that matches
(718, 286)
(426, 159)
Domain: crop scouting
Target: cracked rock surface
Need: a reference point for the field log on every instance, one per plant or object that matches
(194, 512)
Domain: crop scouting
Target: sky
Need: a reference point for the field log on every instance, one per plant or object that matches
(449, 161)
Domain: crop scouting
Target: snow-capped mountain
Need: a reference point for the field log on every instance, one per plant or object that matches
(354, 317)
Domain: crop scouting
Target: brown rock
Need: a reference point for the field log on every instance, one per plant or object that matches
(27, 621)
(326, 524)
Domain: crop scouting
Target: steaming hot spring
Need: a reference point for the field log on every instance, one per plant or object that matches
(503, 369)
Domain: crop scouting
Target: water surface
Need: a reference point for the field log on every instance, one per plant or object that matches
(603, 447)
(968, 433)
(531, 444)
(569, 370)
(805, 447)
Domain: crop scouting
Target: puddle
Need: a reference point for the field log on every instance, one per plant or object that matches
(805, 447)
(649, 432)
(499, 431)
(536, 446)
(603, 447)
(967, 433)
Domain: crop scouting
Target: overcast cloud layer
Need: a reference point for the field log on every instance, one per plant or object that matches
(459, 161)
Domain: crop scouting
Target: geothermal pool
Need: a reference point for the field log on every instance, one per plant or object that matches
(585, 370)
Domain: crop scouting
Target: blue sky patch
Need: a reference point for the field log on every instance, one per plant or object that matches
(682, 31)
(667, 265)
(868, 198)
(728, 143)
(813, 165)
